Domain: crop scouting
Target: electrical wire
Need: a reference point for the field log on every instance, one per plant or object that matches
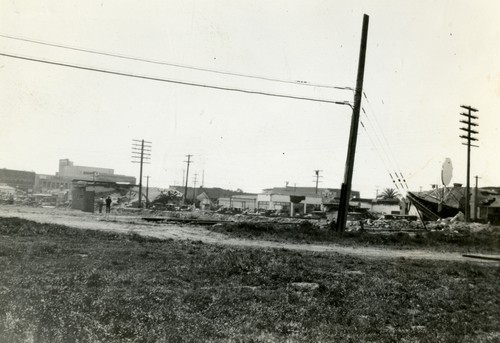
(394, 174)
(186, 83)
(302, 83)
(379, 155)
(384, 153)
(386, 142)
(388, 150)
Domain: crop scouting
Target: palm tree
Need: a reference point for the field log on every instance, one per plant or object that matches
(389, 193)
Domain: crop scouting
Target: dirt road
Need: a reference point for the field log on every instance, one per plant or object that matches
(133, 224)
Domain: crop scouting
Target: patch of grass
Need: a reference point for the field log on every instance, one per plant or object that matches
(62, 285)
(486, 240)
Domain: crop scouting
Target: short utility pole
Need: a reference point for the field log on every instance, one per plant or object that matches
(345, 190)
(147, 191)
(187, 175)
(316, 172)
(475, 199)
(468, 129)
(141, 153)
(194, 187)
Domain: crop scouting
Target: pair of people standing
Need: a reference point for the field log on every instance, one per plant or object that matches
(108, 204)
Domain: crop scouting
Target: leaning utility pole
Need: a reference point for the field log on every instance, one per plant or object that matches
(345, 190)
(187, 174)
(469, 139)
(141, 150)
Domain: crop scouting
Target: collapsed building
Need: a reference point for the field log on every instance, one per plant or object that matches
(84, 193)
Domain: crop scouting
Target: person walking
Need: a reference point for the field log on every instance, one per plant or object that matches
(108, 204)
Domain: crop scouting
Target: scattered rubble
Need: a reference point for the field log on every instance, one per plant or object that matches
(452, 226)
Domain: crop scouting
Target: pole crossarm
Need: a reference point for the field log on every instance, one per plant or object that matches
(469, 115)
(469, 138)
(475, 146)
(466, 122)
(468, 130)
(469, 108)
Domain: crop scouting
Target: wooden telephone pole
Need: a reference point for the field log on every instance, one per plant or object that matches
(468, 122)
(187, 178)
(316, 172)
(141, 152)
(345, 190)
(475, 199)
(194, 188)
(147, 191)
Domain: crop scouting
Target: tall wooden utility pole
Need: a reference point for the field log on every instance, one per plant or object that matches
(345, 191)
(469, 139)
(187, 176)
(141, 151)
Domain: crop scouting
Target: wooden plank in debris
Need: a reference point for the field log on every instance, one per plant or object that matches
(184, 220)
(483, 257)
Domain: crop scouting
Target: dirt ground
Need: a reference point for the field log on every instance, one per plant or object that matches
(123, 223)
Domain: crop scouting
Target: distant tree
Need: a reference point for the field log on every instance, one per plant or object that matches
(389, 193)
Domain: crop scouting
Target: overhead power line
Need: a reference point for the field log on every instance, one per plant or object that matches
(186, 83)
(379, 155)
(389, 153)
(139, 59)
(377, 127)
(383, 154)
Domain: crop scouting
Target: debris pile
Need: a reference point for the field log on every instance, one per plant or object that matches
(460, 227)
(453, 225)
(395, 225)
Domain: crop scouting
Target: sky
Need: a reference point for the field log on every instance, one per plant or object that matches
(424, 60)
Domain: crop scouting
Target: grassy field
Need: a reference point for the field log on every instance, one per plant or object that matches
(463, 241)
(59, 284)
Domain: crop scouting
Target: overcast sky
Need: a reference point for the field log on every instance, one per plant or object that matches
(424, 60)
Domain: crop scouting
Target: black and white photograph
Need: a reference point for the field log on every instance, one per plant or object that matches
(249, 171)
